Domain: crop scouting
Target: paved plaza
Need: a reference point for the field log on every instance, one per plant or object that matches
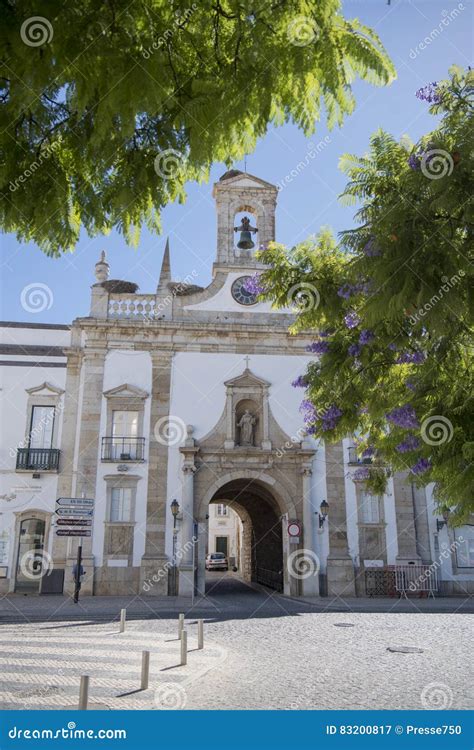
(262, 651)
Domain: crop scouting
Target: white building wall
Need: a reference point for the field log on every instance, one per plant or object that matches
(19, 492)
(133, 368)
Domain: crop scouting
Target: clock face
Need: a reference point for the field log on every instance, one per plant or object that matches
(240, 293)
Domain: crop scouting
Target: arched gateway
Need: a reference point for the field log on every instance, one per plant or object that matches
(265, 486)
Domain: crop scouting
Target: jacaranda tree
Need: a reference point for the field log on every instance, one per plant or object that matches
(109, 108)
(392, 305)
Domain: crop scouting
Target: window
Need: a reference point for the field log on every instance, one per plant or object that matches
(41, 428)
(124, 423)
(121, 504)
(464, 538)
(221, 509)
(369, 508)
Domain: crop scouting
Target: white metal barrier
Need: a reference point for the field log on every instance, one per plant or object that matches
(415, 579)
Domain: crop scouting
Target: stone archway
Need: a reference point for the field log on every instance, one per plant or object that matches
(264, 509)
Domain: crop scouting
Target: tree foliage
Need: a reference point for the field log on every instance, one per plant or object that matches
(393, 303)
(108, 108)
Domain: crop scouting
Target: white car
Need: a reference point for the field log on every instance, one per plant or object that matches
(216, 561)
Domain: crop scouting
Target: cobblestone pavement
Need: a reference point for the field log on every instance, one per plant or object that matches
(261, 651)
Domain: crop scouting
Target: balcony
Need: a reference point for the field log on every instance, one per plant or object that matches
(355, 459)
(122, 449)
(37, 459)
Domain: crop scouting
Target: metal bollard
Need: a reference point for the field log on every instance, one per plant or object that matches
(123, 615)
(200, 633)
(184, 648)
(83, 693)
(145, 669)
(180, 625)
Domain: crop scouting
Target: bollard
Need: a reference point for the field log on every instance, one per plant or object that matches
(123, 615)
(145, 669)
(180, 625)
(83, 693)
(184, 648)
(200, 633)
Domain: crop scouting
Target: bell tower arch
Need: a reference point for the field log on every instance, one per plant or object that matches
(235, 193)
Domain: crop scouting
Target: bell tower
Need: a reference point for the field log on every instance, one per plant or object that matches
(238, 239)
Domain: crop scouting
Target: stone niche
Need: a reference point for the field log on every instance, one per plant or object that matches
(247, 394)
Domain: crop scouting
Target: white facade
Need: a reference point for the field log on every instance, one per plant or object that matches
(184, 365)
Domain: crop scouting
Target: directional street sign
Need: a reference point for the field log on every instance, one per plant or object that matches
(73, 532)
(74, 522)
(86, 513)
(85, 502)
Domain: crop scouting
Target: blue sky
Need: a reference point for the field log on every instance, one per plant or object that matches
(305, 204)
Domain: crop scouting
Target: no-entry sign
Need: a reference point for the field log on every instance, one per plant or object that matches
(294, 528)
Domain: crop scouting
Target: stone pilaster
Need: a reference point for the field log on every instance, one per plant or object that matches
(310, 584)
(405, 516)
(155, 560)
(340, 567)
(68, 442)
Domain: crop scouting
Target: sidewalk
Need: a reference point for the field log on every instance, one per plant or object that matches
(21, 608)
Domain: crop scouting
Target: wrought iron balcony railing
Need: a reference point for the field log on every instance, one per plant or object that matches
(123, 449)
(37, 459)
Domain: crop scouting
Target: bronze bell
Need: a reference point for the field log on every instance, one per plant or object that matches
(245, 242)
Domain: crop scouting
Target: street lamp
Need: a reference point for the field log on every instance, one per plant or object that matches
(174, 511)
(324, 508)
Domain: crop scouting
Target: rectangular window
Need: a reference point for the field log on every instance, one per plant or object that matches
(369, 508)
(464, 537)
(124, 423)
(121, 504)
(41, 428)
(221, 509)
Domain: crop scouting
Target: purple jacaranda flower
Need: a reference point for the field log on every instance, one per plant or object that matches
(422, 465)
(415, 358)
(325, 334)
(411, 443)
(393, 347)
(253, 284)
(300, 382)
(351, 319)
(361, 475)
(429, 93)
(318, 347)
(370, 249)
(366, 336)
(308, 411)
(414, 162)
(404, 416)
(354, 350)
(410, 385)
(368, 452)
(346, 291)
(331, 417)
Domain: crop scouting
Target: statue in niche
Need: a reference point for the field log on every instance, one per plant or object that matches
(246, 425)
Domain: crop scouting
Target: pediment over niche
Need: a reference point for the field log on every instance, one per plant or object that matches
(45, 389)
(247, 380)
(126, 391)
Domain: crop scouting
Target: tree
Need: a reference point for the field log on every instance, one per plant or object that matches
(392, 303)
(110, 107)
